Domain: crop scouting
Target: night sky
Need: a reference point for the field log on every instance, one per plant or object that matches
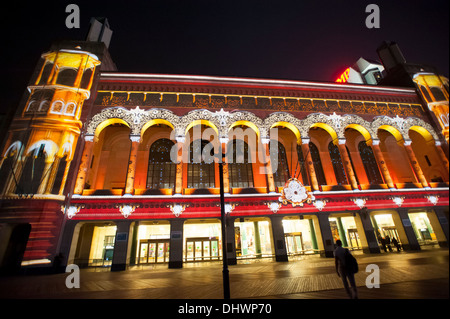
(295, 40)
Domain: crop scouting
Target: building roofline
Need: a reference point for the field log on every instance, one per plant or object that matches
(196, 79)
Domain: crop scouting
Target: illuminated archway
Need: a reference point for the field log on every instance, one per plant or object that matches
(329, 129)
(245, 123)
(155, 122)
(396, 133)
(201, 122)
(108, 122)
(291, 127)
(424, 133)
(361, 129)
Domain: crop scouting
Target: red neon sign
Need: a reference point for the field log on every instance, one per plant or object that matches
(344, 76)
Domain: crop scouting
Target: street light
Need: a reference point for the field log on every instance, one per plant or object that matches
(225, 273)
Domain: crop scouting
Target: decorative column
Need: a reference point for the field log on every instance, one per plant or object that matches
(415, 164)
(442, 156)
(341, 231)
(347, 164)
(179, 168)
(45, 175)
(64, 179)
(135, 141)
(327, 236)
(122, 243)
(382, 163)
(84, 164)
(313, 234)
(231, 240)
(278, 238)
(52, 175)
(309, 164)
(412, 244)
(226, 177)
(268, 165)
(176, 243)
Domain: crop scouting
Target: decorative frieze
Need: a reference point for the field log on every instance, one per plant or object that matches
(136, 119)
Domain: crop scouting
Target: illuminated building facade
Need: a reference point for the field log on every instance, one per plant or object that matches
(119, 169)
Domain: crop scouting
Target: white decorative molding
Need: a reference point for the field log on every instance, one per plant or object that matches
(398, 200)
(320, 204)
(433, 199)
(126, 210)
(177, 209)
(71, 211)
(89, 138)
(222, 120)
(229, 208)
(360, 202)
(135, 138)
(274, 207)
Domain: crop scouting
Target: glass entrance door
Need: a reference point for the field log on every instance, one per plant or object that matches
(202, 249)
(294, 243)
(153, 251)
(143, 253)
(354, 238)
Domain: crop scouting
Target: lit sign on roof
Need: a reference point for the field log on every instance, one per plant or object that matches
(343, 78)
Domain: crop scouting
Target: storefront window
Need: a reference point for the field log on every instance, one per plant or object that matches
(202, 241)
(298, 236)
(253, 238)
(344, 229)
(153, 244)
(102, 246)
(422, 228)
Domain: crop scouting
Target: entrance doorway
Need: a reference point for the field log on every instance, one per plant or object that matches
(353, 237)
(202, 248)
(294, 243)
(153, 251)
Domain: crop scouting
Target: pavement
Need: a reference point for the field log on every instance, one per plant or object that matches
(406, 275)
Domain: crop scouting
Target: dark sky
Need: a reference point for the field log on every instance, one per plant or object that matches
(297, 40)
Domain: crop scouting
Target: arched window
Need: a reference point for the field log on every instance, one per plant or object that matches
(336, 161)
(281, 170)
(32, 174)
(47, 70)
(201, 172)
(315, 156)
(301, 163)
(5, 171)
(86, 79)
(66, 77)
(239, 164)
(370, 164)
(161, 170)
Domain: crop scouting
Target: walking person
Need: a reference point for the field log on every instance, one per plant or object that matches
(345, 269)
(388, 243)
(383, 244)
(396, 244)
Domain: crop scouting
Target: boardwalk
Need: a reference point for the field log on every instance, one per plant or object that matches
(406, 275)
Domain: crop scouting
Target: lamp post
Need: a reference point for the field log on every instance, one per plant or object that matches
(225, 273)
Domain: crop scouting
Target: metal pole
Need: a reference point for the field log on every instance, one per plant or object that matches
(225, 273)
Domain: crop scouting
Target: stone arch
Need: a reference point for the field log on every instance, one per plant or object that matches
(286, 120)
(107, 117)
